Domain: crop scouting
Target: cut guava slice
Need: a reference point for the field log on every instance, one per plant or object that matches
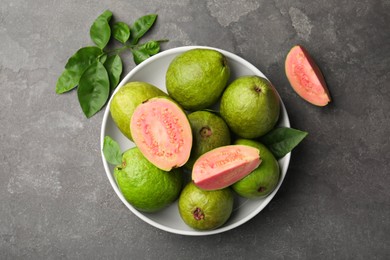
(305, 77)
(225, 165)
(161, 131)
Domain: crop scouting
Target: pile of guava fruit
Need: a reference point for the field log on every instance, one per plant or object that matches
(198, 142)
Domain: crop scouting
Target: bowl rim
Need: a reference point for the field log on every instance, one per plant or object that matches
(178, 50)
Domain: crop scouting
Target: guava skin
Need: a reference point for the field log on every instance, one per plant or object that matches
(209, 131)
(264, 179)
(205, 210)
(144, 186)
(197, 78)
(250, 106)
(126, 99)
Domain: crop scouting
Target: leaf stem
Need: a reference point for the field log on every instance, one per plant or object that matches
(162, 40)
(117, 50)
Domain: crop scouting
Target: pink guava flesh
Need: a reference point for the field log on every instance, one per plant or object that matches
(223, 166)
(161, 131)
(305, 77)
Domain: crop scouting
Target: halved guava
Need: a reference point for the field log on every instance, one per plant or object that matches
(127, 99)
(305, 77)
(161, 131)
(223, 166)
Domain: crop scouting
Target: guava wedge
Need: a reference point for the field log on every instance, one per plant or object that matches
(161, 131)
(225, 165)
(305, 77)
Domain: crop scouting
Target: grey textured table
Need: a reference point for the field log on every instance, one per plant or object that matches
(56, 201)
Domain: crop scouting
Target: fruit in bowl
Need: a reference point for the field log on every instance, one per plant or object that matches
(154, 132)
(263, 180)
(145, 186)
(126, 99)
(162, 132)
(197, 78)
(205, 210)
(209, 131)
(250, 106)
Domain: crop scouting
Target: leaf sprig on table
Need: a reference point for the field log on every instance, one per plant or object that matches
(97, 70)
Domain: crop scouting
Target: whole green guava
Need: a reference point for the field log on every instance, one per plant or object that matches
(209, 131)
(205, 210)
(145, 186)
(250, 106)
(197, 78)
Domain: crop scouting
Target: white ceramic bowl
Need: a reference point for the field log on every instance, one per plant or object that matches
(153, 71)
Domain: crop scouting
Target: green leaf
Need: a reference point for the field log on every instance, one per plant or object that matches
(282, 140)
(141, 26)
(144, 51)
(150, 47)
(121, 31)
(82, 59)
(100, 30)
(107, 15)
(67, 81)
(94, 89)
(102, 58)
(75, 67)
(139, 56)
(112, 151)
(113, 66)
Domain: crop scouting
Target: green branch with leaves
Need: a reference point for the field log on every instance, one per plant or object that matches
(95, 70)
